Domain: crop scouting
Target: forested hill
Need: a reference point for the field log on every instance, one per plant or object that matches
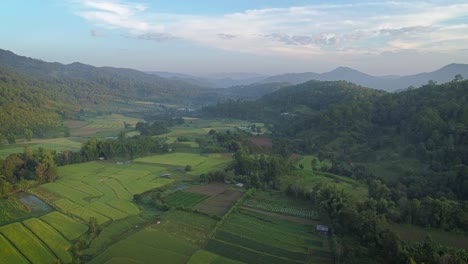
(427, 126)
(28, 106)
(118, 82)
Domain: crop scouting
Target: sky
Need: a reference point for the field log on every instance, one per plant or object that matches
(261, 36)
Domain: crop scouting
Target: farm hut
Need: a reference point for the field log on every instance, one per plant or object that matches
(322, 229)
(165, 175)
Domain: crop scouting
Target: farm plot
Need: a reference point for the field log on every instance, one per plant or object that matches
(113, 233)
(256, 238)
(292, 211)
(219, 204)
(200, 163)
(101, 123)
(146, 246)
(185, 199)
(9, 254)
(205, 257)
(54, 240)
(68, 227)
(27, 243)
(193, 228)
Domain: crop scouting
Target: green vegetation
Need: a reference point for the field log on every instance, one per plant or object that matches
(9, 253)
(205, 257)
(27, 243)
(299, 212)
(185, 199)
(12, 210)
(257, 238)
(148, 245)
(51, 238)
(68, 227)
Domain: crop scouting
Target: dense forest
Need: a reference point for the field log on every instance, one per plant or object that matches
(410, 148)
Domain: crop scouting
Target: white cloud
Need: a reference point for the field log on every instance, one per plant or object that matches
(361, 28)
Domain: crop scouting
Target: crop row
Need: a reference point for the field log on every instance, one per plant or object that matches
(11, 209)
(242, 254)
(185, 199)
(291, 211)
(260, 247)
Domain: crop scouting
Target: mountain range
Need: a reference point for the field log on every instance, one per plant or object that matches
(387, 83)
(155, 85)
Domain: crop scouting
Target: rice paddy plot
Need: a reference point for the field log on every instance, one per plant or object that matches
(113, 233)
(54, 240)
(124, 206)
(185, 199)
(199, 163)
(148, 246)
(86, 214)
(65, 205)
(243, 254)
(72, 194)
(119, 190)
(9, 254)
(192, 228)
(106, 210)
(68, 227)
(27, 243)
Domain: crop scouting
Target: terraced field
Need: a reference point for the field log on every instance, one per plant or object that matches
(100, 190)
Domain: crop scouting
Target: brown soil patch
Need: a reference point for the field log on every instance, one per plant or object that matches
(262, 142)
(220, 203)
(210, 189)
(284, 217)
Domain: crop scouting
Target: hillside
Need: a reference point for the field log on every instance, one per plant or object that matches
(345, 122)
(117, 82)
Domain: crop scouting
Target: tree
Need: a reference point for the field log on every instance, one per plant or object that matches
(188, 168)
(458, 78)
(28, 134)
(11, 138)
